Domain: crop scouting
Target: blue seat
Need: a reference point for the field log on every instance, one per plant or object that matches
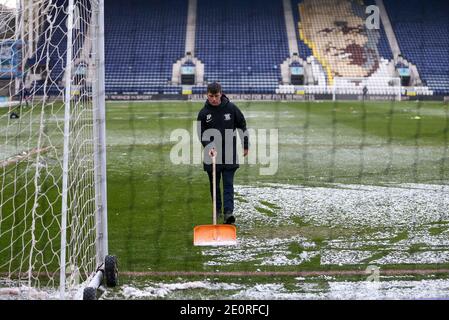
(422, 31)
(240, 42)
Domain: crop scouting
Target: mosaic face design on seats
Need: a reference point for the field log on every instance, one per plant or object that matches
(342, 42)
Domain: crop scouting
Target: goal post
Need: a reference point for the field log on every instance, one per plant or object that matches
(364, 87)
(53, 204)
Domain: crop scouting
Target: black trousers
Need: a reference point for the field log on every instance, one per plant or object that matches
(228, 189)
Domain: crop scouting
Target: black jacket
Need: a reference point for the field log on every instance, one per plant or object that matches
(224, 117)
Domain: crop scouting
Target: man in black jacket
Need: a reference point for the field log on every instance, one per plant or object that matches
(218, 121)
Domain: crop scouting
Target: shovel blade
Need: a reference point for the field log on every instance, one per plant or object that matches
(215, 235)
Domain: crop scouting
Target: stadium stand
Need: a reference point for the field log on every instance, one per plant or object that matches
(303, 49)
(242, 44)
(143, 39)
(382, 45)
(344, 47)
(53, 42)
(422, 30)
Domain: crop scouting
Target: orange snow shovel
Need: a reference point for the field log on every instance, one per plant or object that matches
(214, 234)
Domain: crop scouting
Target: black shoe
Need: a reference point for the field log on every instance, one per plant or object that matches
(229, 218)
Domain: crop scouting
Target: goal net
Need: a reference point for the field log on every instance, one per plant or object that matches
(52, 147)
(364, 88)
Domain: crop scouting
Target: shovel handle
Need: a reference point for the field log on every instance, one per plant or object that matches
(214, 190)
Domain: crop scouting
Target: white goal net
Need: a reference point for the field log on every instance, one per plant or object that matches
(52, 146)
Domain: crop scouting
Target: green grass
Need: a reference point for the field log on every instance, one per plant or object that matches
(401, 236)
(153, 205)
(437, 230)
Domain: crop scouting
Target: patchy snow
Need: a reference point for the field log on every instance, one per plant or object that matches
(405, 223)
(424, 289)
(346, 205)
(424, 257)
(341, 257)
(162, 290)
(11, 290)
(281, 260)
(305, 288)
(260, 251)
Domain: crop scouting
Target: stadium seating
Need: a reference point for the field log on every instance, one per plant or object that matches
(383, 46)
(376, 51)
(303, 50)
(422, 31)
(142, 40)
(53, 42)
(242, 44)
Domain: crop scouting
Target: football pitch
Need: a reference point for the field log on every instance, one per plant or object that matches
(359, 193)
